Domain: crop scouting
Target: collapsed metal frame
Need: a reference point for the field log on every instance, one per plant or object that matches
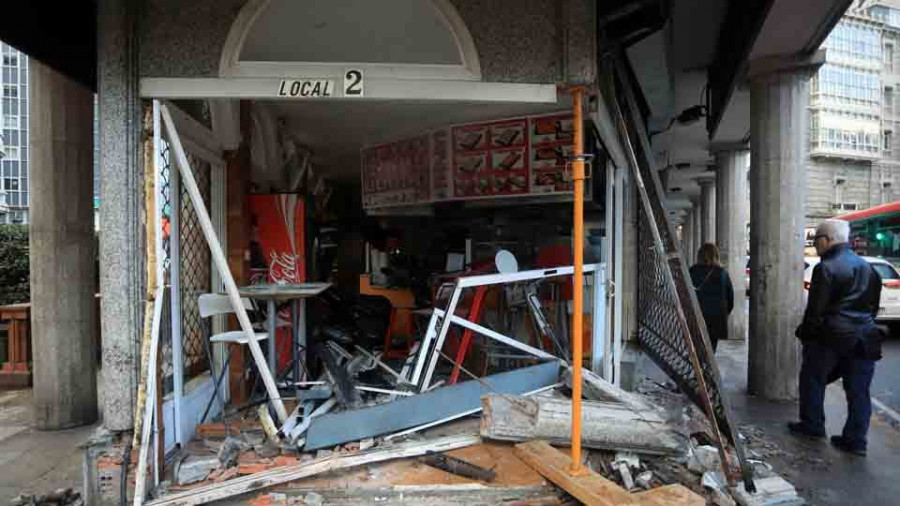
(685, 354)
(438, 326)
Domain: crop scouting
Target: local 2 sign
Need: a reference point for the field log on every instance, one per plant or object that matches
(306, 88)
(322, 88)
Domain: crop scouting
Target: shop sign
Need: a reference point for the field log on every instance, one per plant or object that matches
(354, 83)
(306, 88)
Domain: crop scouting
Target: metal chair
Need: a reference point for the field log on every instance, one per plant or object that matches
(215, 304)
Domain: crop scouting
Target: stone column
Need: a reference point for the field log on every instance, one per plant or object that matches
(732, 215)
(121, 243)
(62, 250)
(698, 228)
(779, 121)
(708, 210)
(687, 237)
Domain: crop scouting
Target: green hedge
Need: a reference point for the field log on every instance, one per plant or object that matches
(14, 264)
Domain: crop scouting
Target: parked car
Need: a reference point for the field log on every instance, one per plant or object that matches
(747, 277)
(889, 307)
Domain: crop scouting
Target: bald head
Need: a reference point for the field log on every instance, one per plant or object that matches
(831, 233)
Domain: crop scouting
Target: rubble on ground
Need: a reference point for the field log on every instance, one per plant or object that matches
(60, 497)
(362, 429)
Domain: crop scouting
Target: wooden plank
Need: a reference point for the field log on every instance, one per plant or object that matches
(670, 495)
(607, 426)
(259, 481)
(589, 487)
(440, 403)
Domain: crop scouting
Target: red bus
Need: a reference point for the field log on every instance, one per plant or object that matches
(875, 232)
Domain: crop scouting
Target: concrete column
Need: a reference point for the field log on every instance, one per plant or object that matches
(61, 239)
(121, 243)
(698, 229)
(732, 214)
(707, 210)
(779, 121)
(687, 237)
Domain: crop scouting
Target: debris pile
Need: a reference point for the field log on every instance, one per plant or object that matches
(61, 497)
(363, 426)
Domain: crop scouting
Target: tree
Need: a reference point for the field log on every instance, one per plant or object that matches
(14, 287)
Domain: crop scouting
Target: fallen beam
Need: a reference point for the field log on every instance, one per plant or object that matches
(432, 495)
(259, 481)
(596, 388)
(337, 428)
(606, 426)
(588, 486)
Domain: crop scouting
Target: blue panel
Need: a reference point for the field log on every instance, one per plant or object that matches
(334, 429)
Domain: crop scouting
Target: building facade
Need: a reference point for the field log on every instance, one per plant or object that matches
(14, 166)
(15, 162)
(854, 115)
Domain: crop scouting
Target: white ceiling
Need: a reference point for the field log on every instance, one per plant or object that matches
(336, 130)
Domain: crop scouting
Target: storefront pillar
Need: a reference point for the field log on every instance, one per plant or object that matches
(121, 243)
(62, 250)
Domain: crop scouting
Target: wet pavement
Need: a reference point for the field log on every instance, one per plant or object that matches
(886, 383)
(822, 474)
(33, 461)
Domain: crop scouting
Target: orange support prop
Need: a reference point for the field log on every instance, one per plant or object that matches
(578, 275)
(474, 316)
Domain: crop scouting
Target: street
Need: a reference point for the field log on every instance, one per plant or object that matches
(886, 383)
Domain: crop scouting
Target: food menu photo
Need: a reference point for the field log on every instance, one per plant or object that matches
(440, 165)
(551, 149)
(396, 173)
(490, 159)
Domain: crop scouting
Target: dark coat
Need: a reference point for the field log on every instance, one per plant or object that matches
(716, 297)
(844, 296)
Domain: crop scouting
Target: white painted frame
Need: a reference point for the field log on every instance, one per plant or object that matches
(439, 334)
(221, 263)
(184, 407)
(376, 89)
(618, 315)
(231, 66)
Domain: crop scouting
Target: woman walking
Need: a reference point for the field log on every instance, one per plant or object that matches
(714, 292)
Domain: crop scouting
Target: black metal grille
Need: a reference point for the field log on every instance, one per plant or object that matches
(670, 326)
(194, 273)
(660, 330)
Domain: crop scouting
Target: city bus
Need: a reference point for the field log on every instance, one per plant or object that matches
(875, 232)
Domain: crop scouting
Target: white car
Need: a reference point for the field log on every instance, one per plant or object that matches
(889, 308)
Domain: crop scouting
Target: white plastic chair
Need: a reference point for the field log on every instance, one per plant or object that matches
(214, 304)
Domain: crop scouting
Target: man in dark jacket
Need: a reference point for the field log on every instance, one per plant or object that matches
(839, 337)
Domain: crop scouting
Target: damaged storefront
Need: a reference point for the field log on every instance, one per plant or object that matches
(357, 251)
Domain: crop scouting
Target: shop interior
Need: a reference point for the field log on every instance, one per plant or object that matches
(387, 205)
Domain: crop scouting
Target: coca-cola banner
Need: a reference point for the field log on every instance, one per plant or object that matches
(277, 238)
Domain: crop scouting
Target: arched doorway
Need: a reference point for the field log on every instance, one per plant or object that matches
(406, 39)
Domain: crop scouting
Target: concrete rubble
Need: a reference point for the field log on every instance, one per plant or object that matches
(248, 450)
(640, 447)
(59, 497)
